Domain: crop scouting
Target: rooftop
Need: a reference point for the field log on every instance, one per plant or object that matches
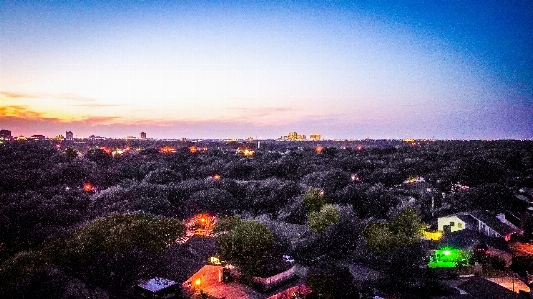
(156, 284)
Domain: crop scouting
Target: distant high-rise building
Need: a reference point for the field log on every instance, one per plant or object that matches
(293, 136)
(314, 137)
(5, 134)
(70, 135)
(143, 135)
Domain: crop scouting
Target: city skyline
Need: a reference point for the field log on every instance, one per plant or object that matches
(443, 70)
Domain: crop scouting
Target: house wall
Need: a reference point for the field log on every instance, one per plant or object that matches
(271, 281)
(486, 230)
(458, 224)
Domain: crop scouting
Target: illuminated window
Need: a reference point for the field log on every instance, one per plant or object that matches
(459, 225)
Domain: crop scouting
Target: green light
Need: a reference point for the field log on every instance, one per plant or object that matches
(447, 258)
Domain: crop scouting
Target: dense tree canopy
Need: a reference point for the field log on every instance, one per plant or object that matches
(246, 244)
(406, 228)
(42, 196)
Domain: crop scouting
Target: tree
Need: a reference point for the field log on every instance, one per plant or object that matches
(114, 234)
(406, 228)
(321, 220)
(162, 176)
(212, 200)
(331, 282)
(23, 265)
(71, 153)
(314, 199)
(246, 245)
(225, 224)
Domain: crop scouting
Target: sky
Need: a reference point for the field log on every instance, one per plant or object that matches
(449, 69)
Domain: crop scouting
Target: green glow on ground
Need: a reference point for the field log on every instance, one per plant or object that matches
(446, 258)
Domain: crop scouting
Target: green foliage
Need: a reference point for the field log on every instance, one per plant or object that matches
(23, 265)
(117, 233)
(226, 223)
(246, 245)
(379, 237)
(71, 153)
(406, 228)
(321, 220)
(314, 199)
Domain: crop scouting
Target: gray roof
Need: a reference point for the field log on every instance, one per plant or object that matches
(484, 289)
(156, 284)
(468, 239)
(471, 222)
(493, 222)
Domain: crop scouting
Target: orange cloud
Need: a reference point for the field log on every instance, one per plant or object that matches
(18, 111)
(67, 96)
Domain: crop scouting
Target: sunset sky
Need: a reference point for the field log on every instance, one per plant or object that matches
(217, 69)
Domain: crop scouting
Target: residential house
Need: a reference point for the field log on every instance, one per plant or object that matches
(211, 280)
(156, 288)
(480, 288)
(483, 222)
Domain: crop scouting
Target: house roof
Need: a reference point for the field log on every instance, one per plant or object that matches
(493, 222)
(481, 288)
(470, 221)
(468, 239)
(156, 284)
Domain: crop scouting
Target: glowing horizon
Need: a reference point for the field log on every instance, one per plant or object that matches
(216, 70)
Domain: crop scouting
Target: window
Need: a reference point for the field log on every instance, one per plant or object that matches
(452, 223)
(459, 225)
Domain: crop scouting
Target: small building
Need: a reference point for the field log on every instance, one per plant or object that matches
(69, 135)
(314, 137)
(480, 288)
(453, 223)
(157, 288)
(143, 135)
(5, 134)
(483, 222)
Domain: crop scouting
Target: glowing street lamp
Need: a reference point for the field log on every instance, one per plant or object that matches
(88, 187)
(355, 177)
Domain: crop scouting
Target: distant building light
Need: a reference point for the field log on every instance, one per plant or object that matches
(214, 260)
(314, 137)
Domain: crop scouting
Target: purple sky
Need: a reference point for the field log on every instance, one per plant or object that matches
(419, 69)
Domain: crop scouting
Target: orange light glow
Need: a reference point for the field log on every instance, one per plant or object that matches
(106, 150)
(198, 282)
(168, 150)
(245, 151)
(216, 177)
(88, 187)
(319, 149)
(193, 149)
